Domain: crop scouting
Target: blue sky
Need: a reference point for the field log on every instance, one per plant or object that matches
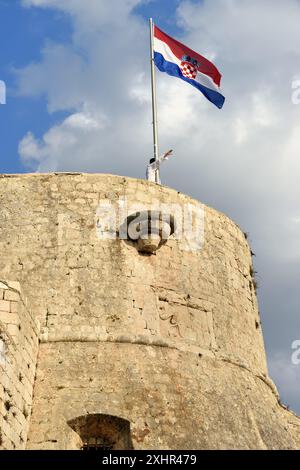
(31, 29)
(79, 100)
(23, 32)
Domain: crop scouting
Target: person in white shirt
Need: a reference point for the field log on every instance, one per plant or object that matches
(152, 173)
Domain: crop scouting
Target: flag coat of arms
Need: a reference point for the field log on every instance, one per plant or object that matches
(178, 60)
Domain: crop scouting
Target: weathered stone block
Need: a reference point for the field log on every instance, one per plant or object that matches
(4, 306)
(9, 318)
(11, 295)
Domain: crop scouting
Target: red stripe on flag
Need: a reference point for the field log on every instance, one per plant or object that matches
(178, 49)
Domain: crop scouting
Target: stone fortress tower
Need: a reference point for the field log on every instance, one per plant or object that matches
(103, 345)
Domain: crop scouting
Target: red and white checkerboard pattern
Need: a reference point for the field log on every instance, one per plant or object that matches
(188, 70)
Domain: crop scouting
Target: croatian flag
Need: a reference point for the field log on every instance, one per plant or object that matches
(175, 59)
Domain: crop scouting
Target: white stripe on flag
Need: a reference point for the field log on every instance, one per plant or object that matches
(206, 81)
(163, 48)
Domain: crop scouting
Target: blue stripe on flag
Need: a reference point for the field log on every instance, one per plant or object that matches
(172, 69)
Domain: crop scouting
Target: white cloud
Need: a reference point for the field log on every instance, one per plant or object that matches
(60, 67)
(243, 159)
(89, 13)
(83, 121)
(30, 149)
(66, 138)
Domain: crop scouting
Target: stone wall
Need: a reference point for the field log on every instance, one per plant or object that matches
(18, 358)
(171, 343)
(172, 399)
(80, 285)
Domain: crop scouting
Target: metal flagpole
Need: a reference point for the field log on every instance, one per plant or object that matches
(154, 105)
